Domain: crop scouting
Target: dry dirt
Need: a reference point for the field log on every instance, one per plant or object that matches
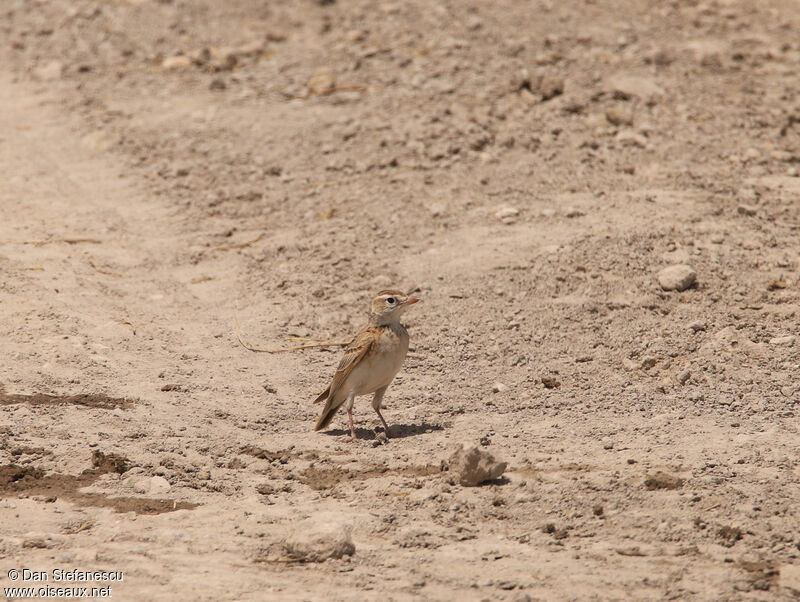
(530, 166)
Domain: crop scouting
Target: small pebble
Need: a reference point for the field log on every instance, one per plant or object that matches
(508, 215)
(677, 277)
(787, 340)
(648, 362)
(176, 62)
(752, 154)
(698, 325)
(631, 138)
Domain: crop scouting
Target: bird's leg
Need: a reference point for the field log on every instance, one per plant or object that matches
(376, 405)
(350, 400)
(352, 428)
(385, 426)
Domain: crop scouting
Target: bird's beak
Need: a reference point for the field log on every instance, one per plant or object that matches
(411, 300)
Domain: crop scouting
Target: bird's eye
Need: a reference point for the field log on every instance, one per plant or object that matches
(391, 301)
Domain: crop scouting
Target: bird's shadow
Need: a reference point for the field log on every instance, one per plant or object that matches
(399, 431)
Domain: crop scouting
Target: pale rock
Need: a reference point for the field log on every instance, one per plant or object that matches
(249, 49)
(787, 340)
(631, 138)
(677, 277)
(380, 439)
(619, 116)
(625, 86)
(697, 325)
(472, 466)
(752, 154)
(41, 540)
(317, 539)
(156, 485)
(507, 214)
(629, 364)
(322, 82)
(176, 62)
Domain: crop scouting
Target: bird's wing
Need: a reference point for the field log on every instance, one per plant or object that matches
(353, 354)
(323, 396)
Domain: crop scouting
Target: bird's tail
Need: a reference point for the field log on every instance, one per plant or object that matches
(327, 415)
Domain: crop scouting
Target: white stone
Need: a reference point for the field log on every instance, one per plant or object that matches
(506, 213)
(677, 277)
(317, 539)
(176, 62)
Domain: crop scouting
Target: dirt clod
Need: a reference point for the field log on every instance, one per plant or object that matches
(730, 535)
(662, 480)
(318, 539)
(471, 466)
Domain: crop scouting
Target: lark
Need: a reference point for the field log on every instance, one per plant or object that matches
(371, 360)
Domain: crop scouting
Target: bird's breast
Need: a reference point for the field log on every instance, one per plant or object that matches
(382, 362)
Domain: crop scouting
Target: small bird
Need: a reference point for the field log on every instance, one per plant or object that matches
(371, 360)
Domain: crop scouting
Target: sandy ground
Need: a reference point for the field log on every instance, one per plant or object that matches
(530, 167)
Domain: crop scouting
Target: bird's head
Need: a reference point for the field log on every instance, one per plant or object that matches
(389, 305)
